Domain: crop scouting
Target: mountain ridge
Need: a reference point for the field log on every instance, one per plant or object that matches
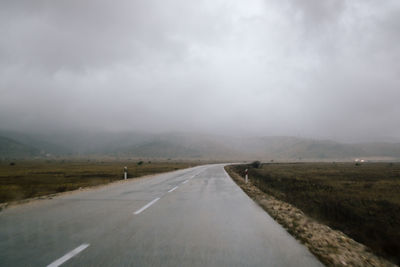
(189, 146)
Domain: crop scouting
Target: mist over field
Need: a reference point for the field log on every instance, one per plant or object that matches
(326, 70)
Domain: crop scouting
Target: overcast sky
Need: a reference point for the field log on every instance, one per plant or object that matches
(312, 68)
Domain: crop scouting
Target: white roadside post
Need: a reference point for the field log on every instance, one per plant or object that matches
(125, 173)
(246, 175)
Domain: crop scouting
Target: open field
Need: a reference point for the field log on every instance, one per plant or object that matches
(28, 179)
(362, 201)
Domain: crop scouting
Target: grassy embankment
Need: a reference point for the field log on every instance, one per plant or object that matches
(29, 179)
(363, 201)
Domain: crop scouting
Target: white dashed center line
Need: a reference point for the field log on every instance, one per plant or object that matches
(146, 206)
(155, 200)
(172, 189)
(68, 256)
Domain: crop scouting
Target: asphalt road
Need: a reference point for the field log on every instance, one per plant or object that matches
(192, 217)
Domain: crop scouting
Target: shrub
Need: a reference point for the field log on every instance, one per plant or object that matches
(256, 164)
(61, 188)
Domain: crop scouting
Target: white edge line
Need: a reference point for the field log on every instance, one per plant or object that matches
(68, 256)
(184, 182)
(146, 206)
(226, 173)
(172, 189)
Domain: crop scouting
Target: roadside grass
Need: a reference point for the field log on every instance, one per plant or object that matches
(29, 179)
(362, 201)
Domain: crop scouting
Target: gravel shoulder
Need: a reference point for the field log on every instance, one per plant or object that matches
(6, 205)
(331, 247)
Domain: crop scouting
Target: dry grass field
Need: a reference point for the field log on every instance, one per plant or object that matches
(362, 200)
(28, 179)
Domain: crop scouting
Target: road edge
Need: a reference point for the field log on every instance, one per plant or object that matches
(331, 247)
(6, 205)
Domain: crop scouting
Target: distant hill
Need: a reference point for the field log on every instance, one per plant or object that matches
(301, 149)
(181, 146)
(189, 146)
(10, 149)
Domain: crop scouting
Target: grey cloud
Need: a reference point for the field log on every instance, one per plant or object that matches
(315, 12)
(326, 69)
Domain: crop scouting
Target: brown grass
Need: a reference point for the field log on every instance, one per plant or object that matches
(362, 201)
(29, 179)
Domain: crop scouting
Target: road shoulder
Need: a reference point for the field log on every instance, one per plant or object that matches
(10, 204)
(331, 247)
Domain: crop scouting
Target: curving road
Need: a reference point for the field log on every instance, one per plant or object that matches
(191, 217)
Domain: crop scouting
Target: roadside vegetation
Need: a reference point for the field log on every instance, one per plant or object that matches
(28, 179)
(361, 200)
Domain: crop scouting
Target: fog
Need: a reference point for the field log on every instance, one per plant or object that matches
(323, 69)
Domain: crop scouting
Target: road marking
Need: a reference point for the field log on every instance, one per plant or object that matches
(172, 189)
(147, 205)
(68, 256)
(184, 182)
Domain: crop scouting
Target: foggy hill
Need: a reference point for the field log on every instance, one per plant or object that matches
(188, 146)
(12, 149)
(178, 145)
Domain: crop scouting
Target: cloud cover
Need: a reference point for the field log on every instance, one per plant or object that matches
(325, 69)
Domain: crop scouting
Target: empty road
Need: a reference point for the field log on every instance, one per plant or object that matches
(191, 217)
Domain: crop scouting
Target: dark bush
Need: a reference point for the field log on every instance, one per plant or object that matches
(256, 164)
(61, 188)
